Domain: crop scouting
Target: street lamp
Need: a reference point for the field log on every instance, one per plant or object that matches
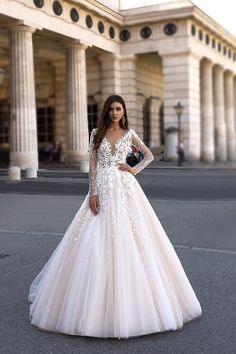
(2, 74)
(179, 110)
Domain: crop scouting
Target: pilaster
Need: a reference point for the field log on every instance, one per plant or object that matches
(129, 86)
(181, 83)
(229, 115)
(208, 141)
(219, 113)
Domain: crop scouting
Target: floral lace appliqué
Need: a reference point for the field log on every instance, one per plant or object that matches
(109, 158)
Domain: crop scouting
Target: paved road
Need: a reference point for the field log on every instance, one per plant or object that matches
(202, 231)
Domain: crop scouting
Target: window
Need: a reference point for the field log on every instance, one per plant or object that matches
(207, 39)
(57, 8)
(125, 35)
(111, 32)
(45, 124)
(193, 30)
(170, 29)
(145, 32)
(74, 15)
(200, 35)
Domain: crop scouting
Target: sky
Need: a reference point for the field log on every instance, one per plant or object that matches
(221, 11)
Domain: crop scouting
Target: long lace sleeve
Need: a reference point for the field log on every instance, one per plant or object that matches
(148, 156)
(92, 165)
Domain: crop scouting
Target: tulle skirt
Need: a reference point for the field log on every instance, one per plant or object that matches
(115, 274)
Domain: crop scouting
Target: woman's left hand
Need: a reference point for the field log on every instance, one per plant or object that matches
(125, 167)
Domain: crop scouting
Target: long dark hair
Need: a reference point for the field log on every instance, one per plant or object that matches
(104, 119)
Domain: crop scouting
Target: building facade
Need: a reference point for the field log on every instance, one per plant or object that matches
(59, 60)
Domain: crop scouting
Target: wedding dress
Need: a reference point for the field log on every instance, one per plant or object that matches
(114, 274)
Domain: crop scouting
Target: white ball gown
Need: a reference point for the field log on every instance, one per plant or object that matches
(114, 274)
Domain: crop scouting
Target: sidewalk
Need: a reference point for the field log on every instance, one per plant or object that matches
(57, 168)
(193, 165)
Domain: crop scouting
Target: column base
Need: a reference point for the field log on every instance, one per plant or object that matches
(24, 159)
(14, 173)
(208, 159)
(208, 155)
(221, 155)
(171, 143)
(231, 159)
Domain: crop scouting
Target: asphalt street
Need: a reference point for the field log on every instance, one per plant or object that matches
(197, 210)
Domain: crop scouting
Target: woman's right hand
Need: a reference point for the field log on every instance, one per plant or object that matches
(94, 204)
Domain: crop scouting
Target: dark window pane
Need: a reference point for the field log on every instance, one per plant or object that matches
(193, 30)
(40, 111)
(45, 117)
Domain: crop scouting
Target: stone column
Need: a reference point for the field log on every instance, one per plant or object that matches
(23, 127)
(60, 102)
(181, 83)
(129, 87)
(76, 106)
(208, 144)
(219, 113)
(229, 115)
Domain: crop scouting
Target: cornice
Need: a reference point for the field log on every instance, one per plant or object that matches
(156, 16)
(158, 13)
(207, 22)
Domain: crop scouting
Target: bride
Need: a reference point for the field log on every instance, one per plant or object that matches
(115, 273)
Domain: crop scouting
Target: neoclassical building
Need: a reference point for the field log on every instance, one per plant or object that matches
(59, 60)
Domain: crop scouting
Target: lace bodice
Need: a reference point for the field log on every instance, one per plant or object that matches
(108, 157)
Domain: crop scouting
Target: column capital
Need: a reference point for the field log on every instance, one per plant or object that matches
(207, 62)
(70, 43)
(108, 56)
(130, 57)
(187, 53)
(229, 73)
(20, 26)
(218, 68)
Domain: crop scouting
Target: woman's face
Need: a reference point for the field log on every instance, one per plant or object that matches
(116, 112)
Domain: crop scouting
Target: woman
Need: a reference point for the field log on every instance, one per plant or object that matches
(115, 272)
